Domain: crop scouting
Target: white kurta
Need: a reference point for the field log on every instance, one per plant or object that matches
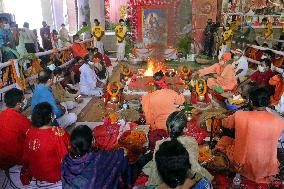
(280, 106)
(100, 46)
(241, 64)
(121, 47)
(88, 82)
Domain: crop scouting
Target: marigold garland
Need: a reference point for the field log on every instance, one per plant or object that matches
(109, 88)
(204, 88)
(183, 70)
(5, 78)
(125, 70)
(14, 76)
(35, 68)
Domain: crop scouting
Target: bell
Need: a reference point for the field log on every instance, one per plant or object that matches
(189, 117)
(114, 99)
(201, 98)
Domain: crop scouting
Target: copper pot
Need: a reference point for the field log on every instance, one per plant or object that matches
(114, 99)
(201, 98)
(188, 116)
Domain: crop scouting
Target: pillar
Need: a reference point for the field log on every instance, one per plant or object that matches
(58, 17)
(97, 10)
(72, 16)
(202, 10)
(46, 6)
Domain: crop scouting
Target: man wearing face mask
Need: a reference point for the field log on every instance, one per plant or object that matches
(43, 93)
(225, 74)
(88, 79)
(13, 128)
(66, 99)
(6, 40)
(78, 49)
(240, 64)
(263, 74)
(120, 32)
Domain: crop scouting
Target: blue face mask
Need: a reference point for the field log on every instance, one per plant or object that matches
(261, 69)
(51, 67)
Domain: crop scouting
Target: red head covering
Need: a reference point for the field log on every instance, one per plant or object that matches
(227, 56)
(161, 83)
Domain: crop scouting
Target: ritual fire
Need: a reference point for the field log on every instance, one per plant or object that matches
(150, 69)
(154, 66)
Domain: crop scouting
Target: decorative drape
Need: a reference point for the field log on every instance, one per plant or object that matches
(114, 9)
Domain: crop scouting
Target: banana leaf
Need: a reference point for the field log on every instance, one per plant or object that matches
(64, 40)
(84, 29)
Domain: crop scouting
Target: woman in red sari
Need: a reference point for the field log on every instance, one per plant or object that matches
(45, 147)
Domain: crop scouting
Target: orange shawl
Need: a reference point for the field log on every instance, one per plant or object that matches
(255, 144)
(277, 81)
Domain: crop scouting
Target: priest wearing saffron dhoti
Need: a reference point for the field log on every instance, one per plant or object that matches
(225, 76)
(158, 105)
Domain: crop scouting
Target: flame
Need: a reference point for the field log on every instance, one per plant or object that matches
(150, 69)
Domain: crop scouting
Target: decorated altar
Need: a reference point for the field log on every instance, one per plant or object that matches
(167, 54)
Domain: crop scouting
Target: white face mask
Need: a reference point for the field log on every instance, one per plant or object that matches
(222, 62)
(24, 104)
(51, 67)
(91, 63)
(122, 23)
(59, 79)
(261, 69)
(6, 26)
(237, 57)
(77, 41)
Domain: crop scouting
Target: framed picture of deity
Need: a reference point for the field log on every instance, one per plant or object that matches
(155, 26)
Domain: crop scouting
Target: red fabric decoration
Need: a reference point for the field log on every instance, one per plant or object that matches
(207, 99)
(195, 131)
(155, 136)
(193, 98)
(106, 135)
(141, 180)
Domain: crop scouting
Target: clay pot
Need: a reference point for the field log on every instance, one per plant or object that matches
(114, 99)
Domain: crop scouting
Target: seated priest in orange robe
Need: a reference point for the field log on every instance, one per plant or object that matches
(78, 49)
(158, 105)
(44, 149)
(225, 74)
(254, 149)
(13, 128)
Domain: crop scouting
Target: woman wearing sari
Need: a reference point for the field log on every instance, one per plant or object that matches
(253, 151)
(84, 168)
(176, 124)
(44, 149)
(172, 160)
